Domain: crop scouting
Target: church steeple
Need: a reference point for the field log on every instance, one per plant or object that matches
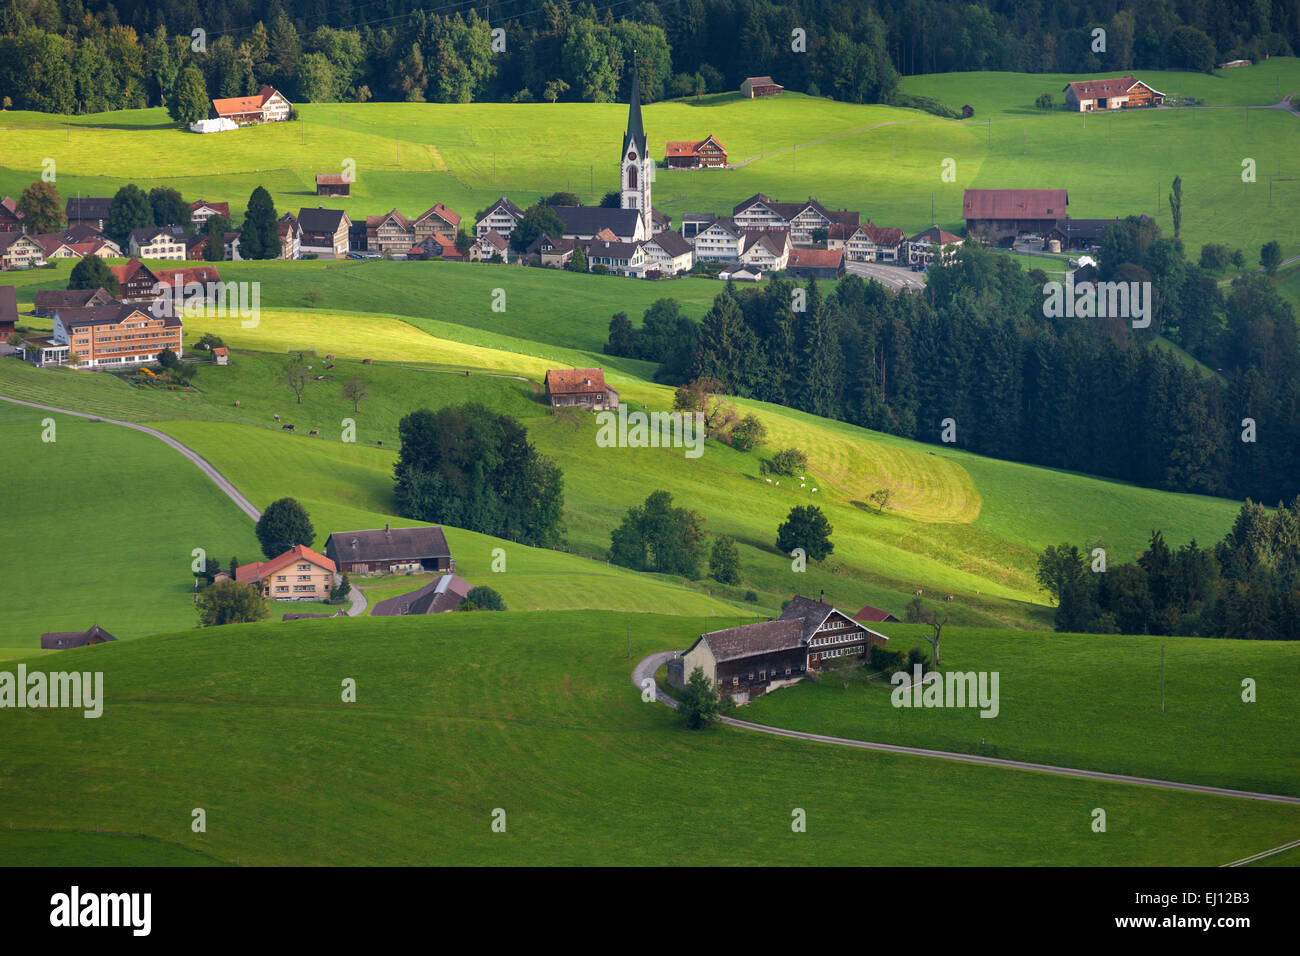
(635, 135)
(636, 168)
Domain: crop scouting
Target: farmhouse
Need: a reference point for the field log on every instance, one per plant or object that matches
(333, 184)
(202, 211)
(668, 254)
(115, 334)
(437, 219)
(436, 246)
(868, 242)
(554, 253)
(11, 217)
(391, 233)
(64, 640)
(801, 220)
(390, 551)
(158, 242)
(444, 594)
(20, 251)
(706, 153)
(722, 240)
(49, 301)
(620, 258)
(766, 251)
(75, 244)
(502, 215)
(299, 574)
(88, 211)
(493, 244)
(925, 245)
(8, 310)
(136, 282)
(995, 214)
(1126, 92)
(289, 231)
(816, 264)
(324, 232)
(268, 106)
(755, 86)
(581, 388)
(752, 659)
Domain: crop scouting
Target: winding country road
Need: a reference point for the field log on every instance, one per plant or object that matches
(647, 668)
(357, 600)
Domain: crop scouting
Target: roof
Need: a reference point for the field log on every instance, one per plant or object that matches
(575, 381)
(444, 594)
(220, 350)
(223, 208)
(747, 640)
(816, 258)
(8, 239)
(319, 219)
(146, 234)
(812, 613)
(189, 274)
(1093, 89)
(936, 236)
(122, 273)
(493, 238)
(87, 207)
(252, 573)
(560, 245)
(442, 212)
(376, 221)
(238, 105)
(589, 220)
(883, 235)
(671, 243)
(761, 81)
(109, 314)
(388, 544)
(10, 206)
(774, 242)
(61, 640)
(47, 299)
(1014, 203)
(332, 179)
(8, 304)
(726, 223)
(869, 613)
(614, 250)
(506, 205)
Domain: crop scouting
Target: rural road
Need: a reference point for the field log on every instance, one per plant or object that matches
(356, 608)
(652, 663)
(892, 277)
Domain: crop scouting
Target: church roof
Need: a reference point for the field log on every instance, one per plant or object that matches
(635, 134)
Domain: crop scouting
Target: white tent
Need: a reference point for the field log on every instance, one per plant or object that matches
(213, 125)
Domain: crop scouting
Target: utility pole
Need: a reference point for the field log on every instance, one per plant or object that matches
(1162, 678)
(629, 638)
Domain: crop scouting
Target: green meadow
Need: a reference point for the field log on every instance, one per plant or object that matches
(458, 717)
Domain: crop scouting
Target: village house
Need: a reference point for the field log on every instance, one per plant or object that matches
(755, 86)
(158, 242)
(114, 335)
(620, 258)
(722, 240)
(289, 231)
(20, 251)
(437, 219)
(390, 551)
(49, 301)
(1126, 92)
(268, 106)
(77, 243)
(493, 244)
(502, 215)
(925, 245)
(230, 240)
(299, 574)
(11, 217)
(766, 251)
(802, 220)
(580, 388)
(993, 215)
(390, 233)
(436, 597)
(753, 659)
(66, 640)
(8, 311)
(815, 264)
(333, 184)
(202, 211)
(87, 211)
(706, 153)
(138, 283)
(324, 232)
(553, 253)
(668, 254)
(438, 246)
(868, 242)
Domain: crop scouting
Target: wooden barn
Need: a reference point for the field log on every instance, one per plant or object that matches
(755, 86)
(580, 388)
(333, 184)
(995, 214)
(1125, 92)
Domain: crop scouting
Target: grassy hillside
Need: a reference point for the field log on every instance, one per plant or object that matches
(1085, 701)
(533, 714)
(883, 161)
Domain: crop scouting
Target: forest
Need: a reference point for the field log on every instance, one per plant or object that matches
(86, 56)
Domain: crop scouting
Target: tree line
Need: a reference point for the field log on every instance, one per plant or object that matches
(86, 56)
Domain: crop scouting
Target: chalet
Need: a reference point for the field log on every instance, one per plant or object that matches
(766, 251)
(196, 247)
(20, 251)
(444, 594)
(56, 247)
(502, 215)
(493, 244)
(554, 253)
(868, 242)
(801, 220)
(116, 334)
(721, 241)
(136, 282)
(924, 246)
(995, 214)
(584, 222)
(202, 211)
(390, 551)
(299, 574)
(8, 310)
(668, 254)
(66, 245)
(874, 615)
(88, 210)
(49, 301)
(391, 233)
(1126, 92)
(755, 86)
(333, 184)
(158, 242)
(706, 153)
(65, 640)
(815, 264)
(437, 218)
(753, 659)
(268, 106)
(230, 242)
(11, 217)
(580, 387)
(289, 231)
(324, 232)
(620, 258)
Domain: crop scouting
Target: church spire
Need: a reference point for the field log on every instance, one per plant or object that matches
(635, 135)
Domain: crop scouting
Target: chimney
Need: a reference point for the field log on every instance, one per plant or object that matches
(823, 596)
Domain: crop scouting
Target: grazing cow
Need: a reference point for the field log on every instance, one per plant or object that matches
(287, 428)
(313, 432)
(236, 403)
(328, 366)
(367, 361)
(329, 358)
(379, 443)
(948, 598)
(276, 417)
(918, 591)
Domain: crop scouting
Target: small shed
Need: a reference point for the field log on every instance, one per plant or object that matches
(221, 355)
(333, 184)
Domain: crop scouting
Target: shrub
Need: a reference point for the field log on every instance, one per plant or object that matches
(788, 461)
(751, 597)
(1045, 101)
(483, 598)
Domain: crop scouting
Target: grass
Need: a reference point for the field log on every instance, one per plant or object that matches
(534, 714)
(1085, 701)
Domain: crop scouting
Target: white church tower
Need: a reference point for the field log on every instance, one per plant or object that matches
(637, 167)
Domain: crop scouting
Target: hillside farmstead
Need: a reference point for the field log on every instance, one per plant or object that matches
(299, 574)
(579, 388)
(268, 106)
(1088, 96)
(706, 153)
(755, 86)
(750, 660)
(995, 214)
(390, 551)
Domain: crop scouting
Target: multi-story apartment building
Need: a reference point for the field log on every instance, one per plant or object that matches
(115, 335)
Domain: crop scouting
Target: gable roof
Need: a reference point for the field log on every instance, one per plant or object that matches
(320, 219)
(773, 242)
(873, 614)
(671, 243)
(147, 234)
(442, 212)
(560, 245)
(812, 613)
(87, 207)
(189, 274)
(61, 640)
(589, 220)
(109, 314)
(332, 179)
(221, 208)
(747, 640)
(493, 238)
(505, 205)
(761, 81)
(816, 258)
(252, 573)
(936, 237)
(727, 224)
(123, 273)
(11, 207)
(883, 235)
(1094, 89)
(388, 544)
(47, 299)
(240, 105)
(1014, 203)
(444, 594)
(613, 250)
(575, 381)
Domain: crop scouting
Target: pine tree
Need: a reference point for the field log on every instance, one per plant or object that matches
(259, 236)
